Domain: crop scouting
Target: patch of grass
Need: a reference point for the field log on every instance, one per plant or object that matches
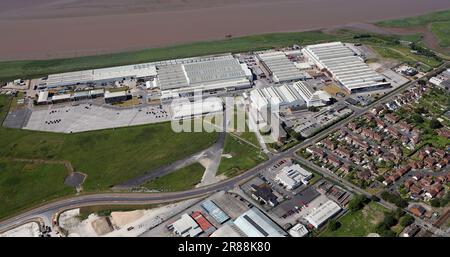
(442, 31)
(404, 54)
(108, 157)
(359, 223)
(22, 184)
(182, 179)
(417, 21)
(244, 157)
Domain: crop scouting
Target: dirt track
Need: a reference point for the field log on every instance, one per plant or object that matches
(64, 28)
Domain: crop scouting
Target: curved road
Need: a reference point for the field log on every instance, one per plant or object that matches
(146, 198)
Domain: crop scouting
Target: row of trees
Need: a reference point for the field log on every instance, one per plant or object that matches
(395, 199)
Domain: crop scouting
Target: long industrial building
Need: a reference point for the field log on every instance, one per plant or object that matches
(322, 213)
(254, 223)
(96, 76)
(345, 67)
(280, 68)
(176, 78)
(285, 96)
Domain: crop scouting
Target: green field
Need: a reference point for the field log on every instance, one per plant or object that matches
(442, 32)
(438, 23)
(244, 156)
(23, 184)
(182, 179)
(417, 21)
(108, 157)
(27, 69)
(359, 223)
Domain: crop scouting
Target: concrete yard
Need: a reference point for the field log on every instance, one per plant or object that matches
(88, 117)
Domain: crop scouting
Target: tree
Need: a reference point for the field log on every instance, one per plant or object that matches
(334, 225)
(406, 220)
(421, 110)
(389, 220)
(435, 202)
(435, 124)
(422, 82)
(417, 118)
(357, 203)
(380, 178)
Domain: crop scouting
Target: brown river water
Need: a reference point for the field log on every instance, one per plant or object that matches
(42, 29)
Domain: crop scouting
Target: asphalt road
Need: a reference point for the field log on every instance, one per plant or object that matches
(147, 198)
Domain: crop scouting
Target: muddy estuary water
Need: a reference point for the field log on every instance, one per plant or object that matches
(40, 29)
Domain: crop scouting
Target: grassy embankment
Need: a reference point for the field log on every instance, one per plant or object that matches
(243, 157)
(182, 179)
(438, 23)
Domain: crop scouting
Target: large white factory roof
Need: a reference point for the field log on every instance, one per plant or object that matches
(281, 67)
(104, 74)
(212, 73)
(43, 97)
(322, 213)
(293, 176)
(254, 223)
(310, 95)
(345, 66)
(186, 226)
(285, 95)
(185, 109)
(214, 70)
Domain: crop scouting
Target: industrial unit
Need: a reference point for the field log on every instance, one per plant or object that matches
(285, 96)
(345, 67)
(44, 98)
(183, 109)
(322, 213)
(186, 227)
(280, 68)
(293, 176)
(214, 211)
(310, 95)
(115, 97)
(254, 223)
(211, 75)
(97, 76)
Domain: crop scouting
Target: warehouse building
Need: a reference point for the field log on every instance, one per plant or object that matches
(214, 211)
(345, 66)
(254, 223)
(206, 75)
(116, 97)
(279, 67)
(43, 97)
(228, 229)
(293, 176)
(285, 96)
(185, 227)
(311, 96)
(186, 109)
(98, 76)
(322, 213)
(298, 230)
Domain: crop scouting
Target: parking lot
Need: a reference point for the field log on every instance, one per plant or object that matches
(87, 117)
